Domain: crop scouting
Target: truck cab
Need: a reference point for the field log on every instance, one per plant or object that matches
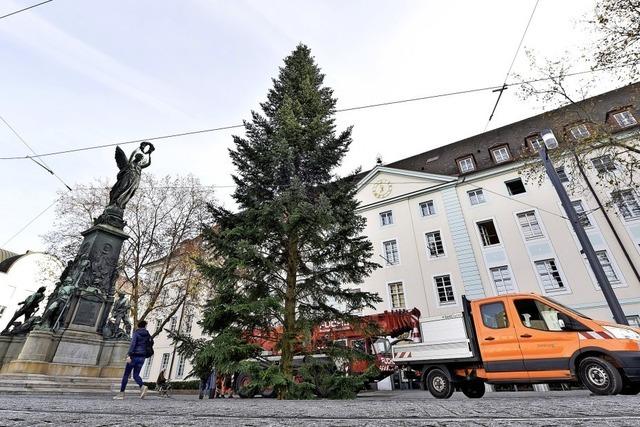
(524, 338)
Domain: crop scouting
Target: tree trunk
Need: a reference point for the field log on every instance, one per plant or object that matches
(289, 326)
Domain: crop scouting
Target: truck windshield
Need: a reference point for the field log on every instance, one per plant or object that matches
(577, 313)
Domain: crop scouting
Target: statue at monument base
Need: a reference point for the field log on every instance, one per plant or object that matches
(83, 331)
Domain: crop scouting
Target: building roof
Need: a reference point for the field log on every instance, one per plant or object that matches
(8, 262)
(443, 160)
(4, 254)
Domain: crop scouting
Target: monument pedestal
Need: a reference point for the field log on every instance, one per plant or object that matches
(70, 350)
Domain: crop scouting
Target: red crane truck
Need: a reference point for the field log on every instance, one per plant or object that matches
(389, 324)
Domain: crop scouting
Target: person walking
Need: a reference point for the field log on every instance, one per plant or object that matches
(141, 347)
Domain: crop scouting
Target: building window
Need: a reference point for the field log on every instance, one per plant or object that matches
(444, 288)
(180, 367)
(535, 142)
(530, 226)
(634, 321)
(188, 323)
(427, 208)
(501, 277)
(549, 275)
(625, 119)
(562, 174)
(397, 295)
(147, 367)
(488, 233)
(386, 218)
(158, 324)
(476, 197)
(582, 214)
(172, 324)
(580, 131)
(537, 315)
(164, 364)
(501, 154)
(515, 186)
(627, 203)
(391, 254)
(156, 276)
(466, 164)
(164, 297)
(607, 267)
(603, 164)
(435, 248)
(494, 315)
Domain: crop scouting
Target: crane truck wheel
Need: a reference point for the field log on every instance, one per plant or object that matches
(242, 386)
(269, 392)
(439, 384)
(599, 376)
(473, 389)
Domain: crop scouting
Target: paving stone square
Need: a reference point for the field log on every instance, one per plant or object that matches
(400, 408)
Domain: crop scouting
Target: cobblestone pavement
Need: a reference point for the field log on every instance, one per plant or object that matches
(408, 408)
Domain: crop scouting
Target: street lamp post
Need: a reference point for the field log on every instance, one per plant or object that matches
(551, 142)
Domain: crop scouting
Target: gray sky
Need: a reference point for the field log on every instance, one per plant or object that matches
(77, 73)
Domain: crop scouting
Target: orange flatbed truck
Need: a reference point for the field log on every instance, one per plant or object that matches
(522, 338)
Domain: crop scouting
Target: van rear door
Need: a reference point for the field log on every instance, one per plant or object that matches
(498, 341)
(546, 347)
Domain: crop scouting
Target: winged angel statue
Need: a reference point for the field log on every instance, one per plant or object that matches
(129, 176)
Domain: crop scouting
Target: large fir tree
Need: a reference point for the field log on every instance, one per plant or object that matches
(283, 259)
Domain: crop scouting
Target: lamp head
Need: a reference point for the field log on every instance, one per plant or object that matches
(549, 139)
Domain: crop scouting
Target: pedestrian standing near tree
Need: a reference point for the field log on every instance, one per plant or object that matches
(141, 347)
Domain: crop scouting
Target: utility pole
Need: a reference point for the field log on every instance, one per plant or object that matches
(587, 248)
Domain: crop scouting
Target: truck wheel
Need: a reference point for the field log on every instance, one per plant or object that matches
(439, 384)
(269, 392)
(243, 386)
(630, 389)
(600, 376)
(473, 389)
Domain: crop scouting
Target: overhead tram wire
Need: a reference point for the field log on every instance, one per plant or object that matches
(361, 107)
(41, 162)
(26, 8)
(29, 223)
(513, 61)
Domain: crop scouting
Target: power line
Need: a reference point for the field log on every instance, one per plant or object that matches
(30, 222)
(361, 107)
(520, 201)
(504, 84)
(40, 163)
(26, 8)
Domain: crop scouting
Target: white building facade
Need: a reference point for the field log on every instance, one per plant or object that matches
(462, 220)
(21, 275)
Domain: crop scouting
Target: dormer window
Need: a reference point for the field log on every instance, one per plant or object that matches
(580, 131)
(466, 164)
(535, 142)
(501, 154)
(625, 119)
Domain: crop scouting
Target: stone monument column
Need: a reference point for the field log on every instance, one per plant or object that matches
(75, 335)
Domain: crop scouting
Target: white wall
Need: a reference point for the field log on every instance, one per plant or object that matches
(23, 278)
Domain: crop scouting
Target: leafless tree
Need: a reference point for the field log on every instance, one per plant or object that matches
(554, 88)
(163, 219)
(617, 26)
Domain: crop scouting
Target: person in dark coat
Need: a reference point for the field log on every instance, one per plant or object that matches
(141, 342)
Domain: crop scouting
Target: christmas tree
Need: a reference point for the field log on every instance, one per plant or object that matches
(283, 259)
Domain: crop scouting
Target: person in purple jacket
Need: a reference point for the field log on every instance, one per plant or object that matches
(141, 347)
